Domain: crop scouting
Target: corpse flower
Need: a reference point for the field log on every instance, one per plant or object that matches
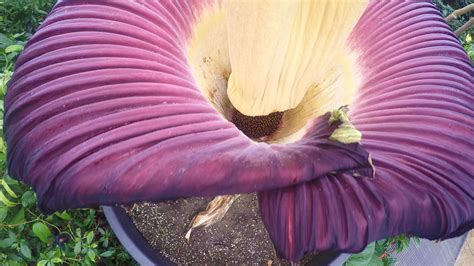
(116, 102)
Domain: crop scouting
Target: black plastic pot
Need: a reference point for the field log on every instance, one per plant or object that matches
(143, 253)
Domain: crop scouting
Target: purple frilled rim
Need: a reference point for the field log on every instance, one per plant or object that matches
(103, 109)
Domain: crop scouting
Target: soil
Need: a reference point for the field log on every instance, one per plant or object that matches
(239, 238)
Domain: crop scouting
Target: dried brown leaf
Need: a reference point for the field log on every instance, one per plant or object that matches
(214, 212)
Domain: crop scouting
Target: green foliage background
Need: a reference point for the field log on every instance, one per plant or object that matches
(82, 237)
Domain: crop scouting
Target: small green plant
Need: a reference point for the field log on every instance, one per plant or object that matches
(75, 237)
(9, 50)
(23, 15)
(380, 252)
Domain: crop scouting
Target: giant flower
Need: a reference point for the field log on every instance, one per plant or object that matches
(117, 102)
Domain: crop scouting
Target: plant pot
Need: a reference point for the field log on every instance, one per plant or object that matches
(426, 253)
(142, 251)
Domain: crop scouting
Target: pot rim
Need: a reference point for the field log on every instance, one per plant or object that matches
(130, 238)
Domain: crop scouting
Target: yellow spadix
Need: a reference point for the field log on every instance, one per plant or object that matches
(278, 50)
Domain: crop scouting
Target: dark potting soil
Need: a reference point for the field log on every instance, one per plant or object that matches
(239, 238)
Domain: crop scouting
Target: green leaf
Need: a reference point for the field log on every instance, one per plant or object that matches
(375, 261)
(14, 263)
(3, 213)
(5, 200)
(6, 243)
(10, 181)
(25, 250)
(56, 260)
(91, 254)
(107, 253)
(63, 215)
(17, 35)
(21, 227)
(42, 232)
(363, 258)
(14, 48)
(4, 40)
(18, 218)
(15, 258)
(404, 243)
(28, 199)
(416, 240)
(12, 235)
(10, 57)
(90, 237)
(8, 189)
(77, 248)
(42, 263)
(54, 253)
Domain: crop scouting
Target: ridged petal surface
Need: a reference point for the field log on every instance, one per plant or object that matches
(415, 112)
(103, 109)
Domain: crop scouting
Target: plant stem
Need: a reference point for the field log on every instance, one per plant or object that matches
(464, 27)
(459, 12)
(42, 220)
(15, 225)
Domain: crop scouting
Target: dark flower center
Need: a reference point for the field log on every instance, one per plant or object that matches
(257, 127)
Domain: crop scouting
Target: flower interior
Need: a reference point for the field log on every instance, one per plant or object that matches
(272, 60)
(257, 127)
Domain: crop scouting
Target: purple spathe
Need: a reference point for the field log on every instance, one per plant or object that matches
(103, 109)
